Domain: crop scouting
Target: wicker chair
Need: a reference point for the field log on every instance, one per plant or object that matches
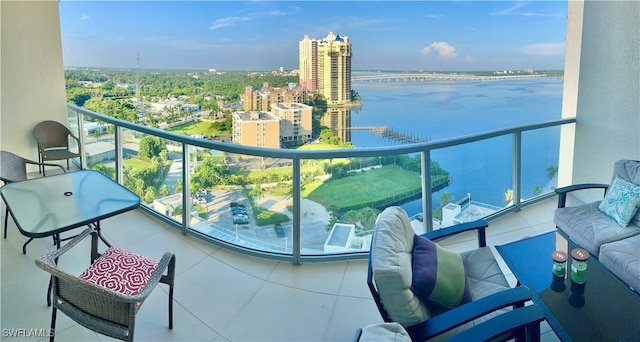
(53, 142)
(13, 168)
(97, 299)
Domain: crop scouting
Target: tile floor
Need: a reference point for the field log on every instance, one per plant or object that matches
(222, 295)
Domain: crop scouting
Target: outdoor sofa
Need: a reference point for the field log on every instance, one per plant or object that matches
(609, 228)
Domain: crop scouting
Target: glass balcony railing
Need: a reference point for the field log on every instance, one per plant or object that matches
(305, 205)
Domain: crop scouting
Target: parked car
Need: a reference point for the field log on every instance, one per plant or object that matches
(240, 220)
(236, 205)
(238, 210)
(279, 230)
(199, 200)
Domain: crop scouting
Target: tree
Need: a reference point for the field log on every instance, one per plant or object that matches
(100, 167)
(178, 186)
(445, 199)
(210, 172)
(164, 190)
(150, 194)
(537, 190)
(151, 146)
(97, 133)
(508, 196)
(257, 191)
(552, 171)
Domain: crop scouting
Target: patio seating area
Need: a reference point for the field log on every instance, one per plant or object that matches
(224, 296)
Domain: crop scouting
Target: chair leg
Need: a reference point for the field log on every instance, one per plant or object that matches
(6, 216)
(24, 247)
(171, 275)
(49, 289)
(171, 307)
(169, 279)
(52, 332)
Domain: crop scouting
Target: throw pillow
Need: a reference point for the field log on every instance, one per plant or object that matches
(439, 275)
(621, 201)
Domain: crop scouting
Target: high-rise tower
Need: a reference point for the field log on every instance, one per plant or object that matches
(325, 66)
(308, 64)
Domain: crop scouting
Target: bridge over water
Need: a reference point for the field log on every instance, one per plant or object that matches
(391, 134)
(431, 77)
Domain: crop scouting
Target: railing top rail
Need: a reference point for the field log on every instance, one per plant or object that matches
(320, 154)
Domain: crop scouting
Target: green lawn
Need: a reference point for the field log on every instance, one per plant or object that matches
(199, 127)
(319, 146)
(136, 163)
(364, 188)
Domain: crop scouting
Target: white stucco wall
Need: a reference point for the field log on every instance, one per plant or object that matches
(608, 94)
(573, 42)
(32, 72)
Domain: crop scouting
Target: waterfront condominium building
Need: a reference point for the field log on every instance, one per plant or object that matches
(325, 67)
(256, 128)
(295, 121)
(263, 98)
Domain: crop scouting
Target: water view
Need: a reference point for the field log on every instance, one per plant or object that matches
(435, 111)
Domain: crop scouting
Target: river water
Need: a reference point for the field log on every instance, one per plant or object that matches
(441, 110)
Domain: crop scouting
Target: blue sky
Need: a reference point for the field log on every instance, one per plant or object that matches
(264, 35)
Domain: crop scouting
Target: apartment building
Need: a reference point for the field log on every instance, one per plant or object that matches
(256, 129)
(325, 67)
(295, 121)
(262, 99)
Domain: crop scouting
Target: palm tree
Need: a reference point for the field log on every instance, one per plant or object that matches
(552, 171)
(508, 196)
(537, 190)
(178, 186)
(257, 191)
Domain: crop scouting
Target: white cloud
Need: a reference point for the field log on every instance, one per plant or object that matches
(441, 49)
(276, 13)
(510, 10)
(545, 49)
(223, 22)
(84, 17)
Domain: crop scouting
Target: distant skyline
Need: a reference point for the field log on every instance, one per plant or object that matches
(264, 35)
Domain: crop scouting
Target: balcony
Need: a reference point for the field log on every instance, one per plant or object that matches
(224, 295)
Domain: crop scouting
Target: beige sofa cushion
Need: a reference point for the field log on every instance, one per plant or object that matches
(391, 265)
(623, 259)
(384, 332)
(588, 227)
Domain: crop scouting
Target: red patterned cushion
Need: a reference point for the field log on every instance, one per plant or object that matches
(121, 271)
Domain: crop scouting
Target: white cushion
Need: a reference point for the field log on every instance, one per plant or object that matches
(391, 265)
(384, 332)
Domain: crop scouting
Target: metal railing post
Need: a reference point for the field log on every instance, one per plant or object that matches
(119, 157)
(81, 148)
(427, 202)
(297, 208)
(517, 169)
(186, 189)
